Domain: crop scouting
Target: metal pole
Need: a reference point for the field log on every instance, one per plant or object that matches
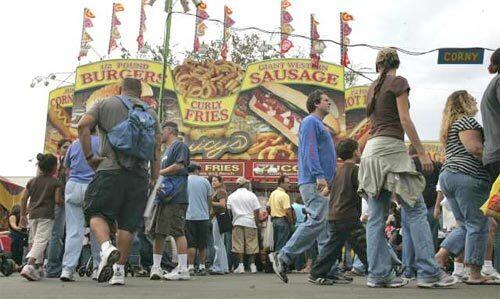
(166, 53)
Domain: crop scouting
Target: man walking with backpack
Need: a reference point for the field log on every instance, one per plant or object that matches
(130, 137)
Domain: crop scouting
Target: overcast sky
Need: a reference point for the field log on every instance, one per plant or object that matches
(43, 37)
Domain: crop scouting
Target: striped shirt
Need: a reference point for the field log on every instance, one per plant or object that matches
(458, 159)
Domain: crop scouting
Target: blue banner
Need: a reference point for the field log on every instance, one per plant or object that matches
(461, 56)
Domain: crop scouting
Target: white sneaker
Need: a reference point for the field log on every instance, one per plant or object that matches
(490, 271)
(66, 276)
(118, 278)
(253, 268)
(109, 257)
(178, 275)
(156, 273)
(239, 270)
(94, 275)
(30, 273)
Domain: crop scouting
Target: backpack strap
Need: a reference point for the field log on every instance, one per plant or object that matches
(129, 105)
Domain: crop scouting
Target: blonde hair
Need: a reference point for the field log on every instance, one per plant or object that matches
(458, 105)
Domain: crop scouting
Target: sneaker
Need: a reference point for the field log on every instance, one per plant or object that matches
(191, 271)
(461, 275)
(279, 267)
(156, 273)
(491, 272)
(108, 258)
(320, 281)
(340, 278)
(30, 273)
(118, 278)
(444, 281)
(66, 276)
(177, 275)
(239, 270)
(253, 268)
(396, 282)
(94, 275)
(355, 272)
(201, 272)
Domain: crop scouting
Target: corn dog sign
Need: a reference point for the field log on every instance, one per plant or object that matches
(58, 124)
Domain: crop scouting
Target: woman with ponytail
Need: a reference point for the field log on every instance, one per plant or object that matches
(490, 112)
(386, 169)
(44, 192)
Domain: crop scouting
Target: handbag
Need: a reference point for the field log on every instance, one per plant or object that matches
(225, 221)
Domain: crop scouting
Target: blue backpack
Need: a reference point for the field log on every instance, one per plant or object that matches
(134, 136)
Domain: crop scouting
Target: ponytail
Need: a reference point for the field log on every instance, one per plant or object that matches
(381, 79)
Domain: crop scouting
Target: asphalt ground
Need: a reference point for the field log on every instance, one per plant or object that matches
(226, 287)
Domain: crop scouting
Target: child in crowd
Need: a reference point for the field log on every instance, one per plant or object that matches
(43, 191)
(344, 217)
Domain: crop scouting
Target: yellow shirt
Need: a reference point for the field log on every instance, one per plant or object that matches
(279, 202)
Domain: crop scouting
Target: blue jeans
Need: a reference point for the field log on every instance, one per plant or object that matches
(420, 240)
(75, 224)
(305, 235)
(56, 244)
(220, 263)
(281, 232)
(465, 196)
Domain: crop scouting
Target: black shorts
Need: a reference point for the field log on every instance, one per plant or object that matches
(197, 233)
(117, 195)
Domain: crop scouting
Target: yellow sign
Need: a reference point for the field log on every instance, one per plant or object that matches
(294, 71)
(113, 71)
(59, 118)
(206, 112)
(355, 98)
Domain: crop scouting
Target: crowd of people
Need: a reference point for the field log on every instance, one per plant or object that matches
(388, 205)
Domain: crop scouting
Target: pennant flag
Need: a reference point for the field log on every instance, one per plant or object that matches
(287, 29)
(286, 16)
(347, 41)
(285, 4)
(148, 2)
(286, 45)
(224, 51)
(113, 45)
(196, 44)
(346, 29)
(345, 60)
(140, 42)
(319, 46)
(200, 29)
(202, 14)
(314, 61)
(115, 33)
(87, 23)
(115, 21)
(229, 22)
(119, 7)
(227, 10)
(88, 13)
(86, 37)
(347, 17)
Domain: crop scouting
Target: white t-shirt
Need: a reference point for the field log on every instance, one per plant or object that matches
(242, 204)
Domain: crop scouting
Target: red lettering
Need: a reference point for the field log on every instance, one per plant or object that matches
(149, 76)
(318, 76)
(189, 114)
(137, 74)
(224, 113)
(267, 76)
(198, 116)
(86, 78)
(112, 75)
(277, 74)
(332, 79)
(254, 78)
(292, 74)
(214, 116)
(124, 74)
(305, 75)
